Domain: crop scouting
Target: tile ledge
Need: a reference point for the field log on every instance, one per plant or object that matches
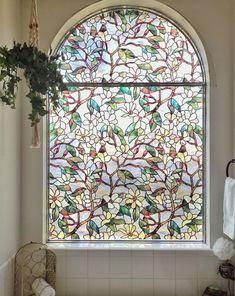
(129, 246)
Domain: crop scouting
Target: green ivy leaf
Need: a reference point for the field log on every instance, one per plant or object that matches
(94, 105)
(112, 105)
(145, 187)
(173, 227)
(132, 14)
(154, 160)
(193, 104)
(156, 117)
(71, 150)
(70, 171)
(151, 49)
(63, 226)
(132, 136)
(63, 187)
(150, 171)
(77, 119)
(146, 66)
(71, 209)
(55, 213)
(72, 125)
(143, 104)
(124, 211)
(126, 54)
(155, 39)
(125, 174)
(136, 213)
(122, 16)
(70, 49)
(119, 132)
(152, 29)
(152, 209)
(156, 236)
(93, 226)
(144, 226)
(122, 55)
(75, 236)
(199, 131)
(118, 100)
(118, 221)
(65, 66)
(78, 70)
(121, 176)
(130, 129)
(175, 104)
(151, 150)
(184, 128)
(125, 90)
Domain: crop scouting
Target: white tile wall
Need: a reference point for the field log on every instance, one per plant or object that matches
(134, 273)
(6, 278)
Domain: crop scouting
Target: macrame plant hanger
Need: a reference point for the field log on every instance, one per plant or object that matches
(34, 42)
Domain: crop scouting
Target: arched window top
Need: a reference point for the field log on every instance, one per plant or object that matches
(129, 45)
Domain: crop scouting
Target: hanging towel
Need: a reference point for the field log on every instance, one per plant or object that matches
(41, 288)
(229, 208)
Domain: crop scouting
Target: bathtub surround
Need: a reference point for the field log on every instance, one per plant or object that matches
(136, 273)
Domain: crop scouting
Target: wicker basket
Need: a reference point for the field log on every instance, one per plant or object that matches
(33, 261)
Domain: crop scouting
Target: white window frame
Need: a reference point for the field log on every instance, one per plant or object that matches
(186, 27)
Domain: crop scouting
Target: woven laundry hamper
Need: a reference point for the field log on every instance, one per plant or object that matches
(33, 261)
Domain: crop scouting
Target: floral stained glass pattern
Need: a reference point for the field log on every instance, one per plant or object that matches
(127, 45)
(126, 160)
(121, 169)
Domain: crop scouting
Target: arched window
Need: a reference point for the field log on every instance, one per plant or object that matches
(127, 144)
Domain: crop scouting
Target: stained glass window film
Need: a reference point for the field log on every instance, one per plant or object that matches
(127, 143)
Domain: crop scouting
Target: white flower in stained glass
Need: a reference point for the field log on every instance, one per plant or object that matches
(52, 231)
(194, 202)
(135, 74)
(134, 198)
(170, 201)
(146, 179)
(129, 231)
(124, 151)
(56, 198)
(106, 218)
(163, 135)
(130, 110)
(187, 218)
(66, 179)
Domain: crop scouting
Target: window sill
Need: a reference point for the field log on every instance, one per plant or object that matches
(129, 246)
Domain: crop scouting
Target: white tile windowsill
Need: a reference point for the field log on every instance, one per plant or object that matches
(129, 246)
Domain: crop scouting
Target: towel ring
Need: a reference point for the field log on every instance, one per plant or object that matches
(227, 167)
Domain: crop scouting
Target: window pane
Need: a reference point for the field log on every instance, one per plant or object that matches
(128, 45)
(127, 163)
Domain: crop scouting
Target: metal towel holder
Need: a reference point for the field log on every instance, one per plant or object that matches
(227, 167)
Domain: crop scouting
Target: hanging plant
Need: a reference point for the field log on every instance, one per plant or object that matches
(41, 74)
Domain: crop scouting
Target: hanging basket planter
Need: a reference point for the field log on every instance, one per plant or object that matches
(40, 71)
(41, 74)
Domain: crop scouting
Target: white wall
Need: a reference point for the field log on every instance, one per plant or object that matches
(10, 158)
(130, 272)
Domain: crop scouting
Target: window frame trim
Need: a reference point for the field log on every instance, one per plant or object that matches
(182, 23)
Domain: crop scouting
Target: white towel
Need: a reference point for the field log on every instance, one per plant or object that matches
(41, 288)
(229, 208)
